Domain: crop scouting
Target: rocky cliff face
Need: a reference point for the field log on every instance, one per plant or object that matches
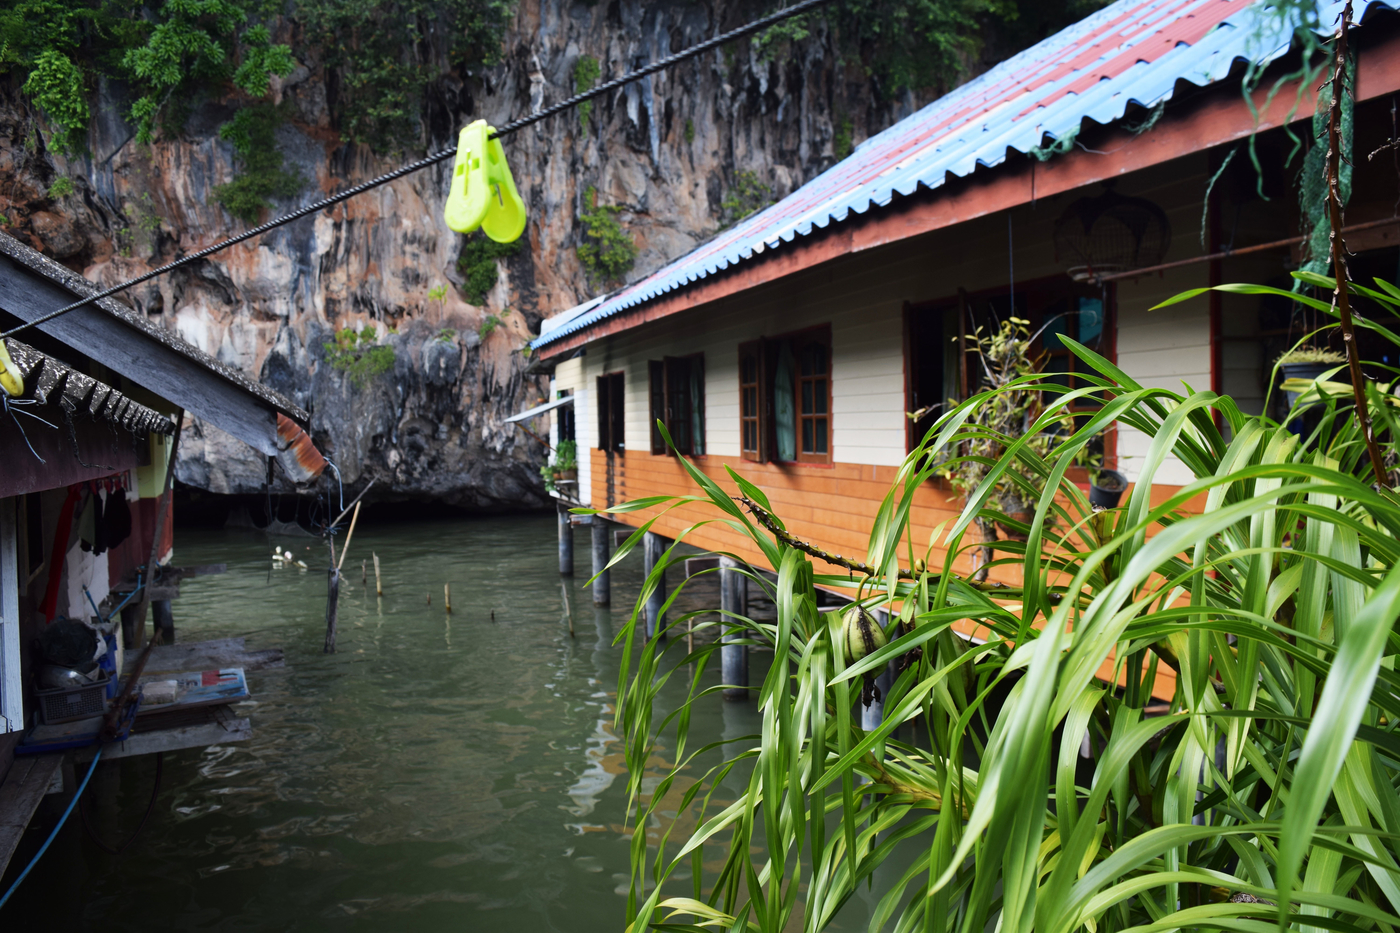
(668, 150)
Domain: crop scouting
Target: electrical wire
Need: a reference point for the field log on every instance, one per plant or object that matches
(61, 820)
(662, 64)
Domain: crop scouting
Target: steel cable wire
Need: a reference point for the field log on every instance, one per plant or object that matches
(659, 65)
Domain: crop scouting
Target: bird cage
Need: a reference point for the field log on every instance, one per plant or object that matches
(1111, 233)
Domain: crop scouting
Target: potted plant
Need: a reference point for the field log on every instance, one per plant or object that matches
(1005, 356)
(1307, 363)
(566, 461)
(1106, 486)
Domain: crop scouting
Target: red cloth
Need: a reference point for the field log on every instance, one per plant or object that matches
(60, 552)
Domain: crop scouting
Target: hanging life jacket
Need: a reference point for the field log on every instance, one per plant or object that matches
(483, 193)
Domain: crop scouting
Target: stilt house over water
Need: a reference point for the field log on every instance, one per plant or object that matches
(1077, 185)
(85, 502)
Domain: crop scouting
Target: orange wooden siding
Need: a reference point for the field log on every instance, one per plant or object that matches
(831, 507)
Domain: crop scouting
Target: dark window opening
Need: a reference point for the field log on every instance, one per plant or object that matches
(938, 375)
(566, 418)
(676, 386)
(612, 411)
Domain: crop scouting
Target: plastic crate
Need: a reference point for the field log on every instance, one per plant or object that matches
(66, 704)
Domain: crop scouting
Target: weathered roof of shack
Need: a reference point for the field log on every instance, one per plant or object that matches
(82, 287)
(1133, 52)
(50, 380)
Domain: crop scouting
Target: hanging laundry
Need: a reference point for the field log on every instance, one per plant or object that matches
(118, 515)
(99, 520)
(87, 522)
(483, 192)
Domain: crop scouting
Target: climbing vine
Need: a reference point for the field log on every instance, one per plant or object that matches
(478, 264)
(264, 174)
(586, 74)
(747, 196)
(359, 355)
(607, 251)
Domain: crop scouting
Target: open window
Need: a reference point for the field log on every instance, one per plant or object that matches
(677, 391)
(612, 411)
(564, 414)
(942, 364)
(785, 397)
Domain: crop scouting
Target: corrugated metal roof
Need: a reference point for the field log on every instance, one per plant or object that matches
(1133, 52)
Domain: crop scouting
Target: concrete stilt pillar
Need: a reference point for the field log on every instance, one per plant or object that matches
(733, 659)
(653, 546)
(602, 585)
(164, 619)
(566, 543)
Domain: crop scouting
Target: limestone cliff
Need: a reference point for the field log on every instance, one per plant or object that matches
(668, 150)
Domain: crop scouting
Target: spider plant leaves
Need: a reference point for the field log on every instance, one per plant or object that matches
(1043, 777)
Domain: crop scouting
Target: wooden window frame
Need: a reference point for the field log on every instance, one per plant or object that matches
(672, 403)
(820, 337)
(765, 352)
(756, 352)
(612, 411)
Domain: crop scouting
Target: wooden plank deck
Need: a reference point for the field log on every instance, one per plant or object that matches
(26, 783)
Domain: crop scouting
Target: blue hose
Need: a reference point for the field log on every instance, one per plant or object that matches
(61, 820)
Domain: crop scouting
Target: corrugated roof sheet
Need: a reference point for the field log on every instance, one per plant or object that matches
(1133, 52)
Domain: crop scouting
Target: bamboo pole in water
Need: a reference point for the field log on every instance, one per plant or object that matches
(378, 587)
(447, 597)
(348, 535)
(364, 572)
(568, 610)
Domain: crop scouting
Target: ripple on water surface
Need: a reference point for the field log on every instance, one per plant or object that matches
(436, 770)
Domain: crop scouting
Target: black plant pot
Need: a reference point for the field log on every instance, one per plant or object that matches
(1106, 496)
(1306, 371)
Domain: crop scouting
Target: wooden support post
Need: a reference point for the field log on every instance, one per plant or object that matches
(653, 547)
(332, 606)
(733, 659)
(378, 587)
(163, 617)
(566, 543)
(364, 572)
(602, 583)
(447, 597)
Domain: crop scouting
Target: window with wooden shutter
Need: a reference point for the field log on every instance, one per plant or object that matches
(753, 422)
(813, 376)
(676, 386)
(612, 411)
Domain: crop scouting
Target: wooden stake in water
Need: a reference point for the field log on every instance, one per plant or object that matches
(447, 596)
(364, 573)
(332, 603)
(568, 612)
(378, 587)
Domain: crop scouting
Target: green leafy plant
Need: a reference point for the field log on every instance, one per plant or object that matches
(55, 84)
(359, 355)
(387, 52)
(587, 70)
(264, 175)
(607, 251)
(1007, 785)
(547, 474)
(746, 196)
(478, 264)
(446, 335)
(566, 456)
(689, 131)
(1311, 355)
(842, 136)
(61, 188)
(488, 325)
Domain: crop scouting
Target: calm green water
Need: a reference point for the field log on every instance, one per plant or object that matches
(437, 773)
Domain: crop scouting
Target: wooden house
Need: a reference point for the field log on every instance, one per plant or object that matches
(791, 346)
(85, 491)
